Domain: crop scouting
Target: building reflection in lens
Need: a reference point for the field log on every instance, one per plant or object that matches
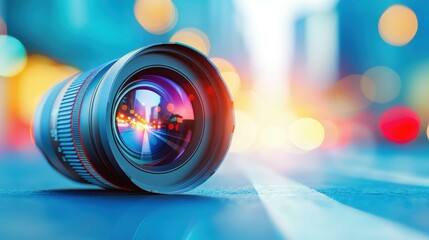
(155, 120)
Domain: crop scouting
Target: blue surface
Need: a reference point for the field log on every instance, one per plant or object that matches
(38, 203)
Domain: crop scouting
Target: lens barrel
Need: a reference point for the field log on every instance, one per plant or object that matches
(159, 119)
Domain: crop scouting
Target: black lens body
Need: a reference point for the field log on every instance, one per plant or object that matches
(183, 120)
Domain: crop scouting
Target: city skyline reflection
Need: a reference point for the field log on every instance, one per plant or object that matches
(155, 120)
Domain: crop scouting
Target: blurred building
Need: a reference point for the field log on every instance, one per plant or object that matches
(332, 44)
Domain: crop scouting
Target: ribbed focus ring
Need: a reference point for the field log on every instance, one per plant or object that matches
(68, 133)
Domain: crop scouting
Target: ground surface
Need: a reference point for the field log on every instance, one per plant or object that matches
(350, 194)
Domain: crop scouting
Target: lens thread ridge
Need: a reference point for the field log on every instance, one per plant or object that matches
(70, 145)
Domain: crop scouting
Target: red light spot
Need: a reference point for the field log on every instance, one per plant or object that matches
(170, 126)
(400, 124)
(191, 97)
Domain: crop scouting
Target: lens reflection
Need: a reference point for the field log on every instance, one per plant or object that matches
(155, 120)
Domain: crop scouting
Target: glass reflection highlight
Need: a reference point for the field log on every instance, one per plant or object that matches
(155, 120)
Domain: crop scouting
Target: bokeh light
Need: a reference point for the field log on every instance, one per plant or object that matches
(245, 132)
(229, 75)
(3, 28)
(35, 80)
(400, 124)
(347, 96)
(253, 103)
(398, 25)
(170, 107)
(306, 133)
(360, 135)
(12, 56)
(427, 131)
(381, 84)
(273, 137)
(418, 89)
(194, 38)
(333, 134)
(156, 16)
(255, 107)
(271, 122)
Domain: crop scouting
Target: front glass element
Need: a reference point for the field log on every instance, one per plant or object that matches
(155, 120)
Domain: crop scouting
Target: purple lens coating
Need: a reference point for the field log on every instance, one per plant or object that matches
(155, 120)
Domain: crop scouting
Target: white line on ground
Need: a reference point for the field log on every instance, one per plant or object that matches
(303, 213)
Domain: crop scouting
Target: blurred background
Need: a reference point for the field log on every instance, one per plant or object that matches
(332, 94)
(304, 75)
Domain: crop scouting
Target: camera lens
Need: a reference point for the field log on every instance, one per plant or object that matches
(155, 121)
(159, 119)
